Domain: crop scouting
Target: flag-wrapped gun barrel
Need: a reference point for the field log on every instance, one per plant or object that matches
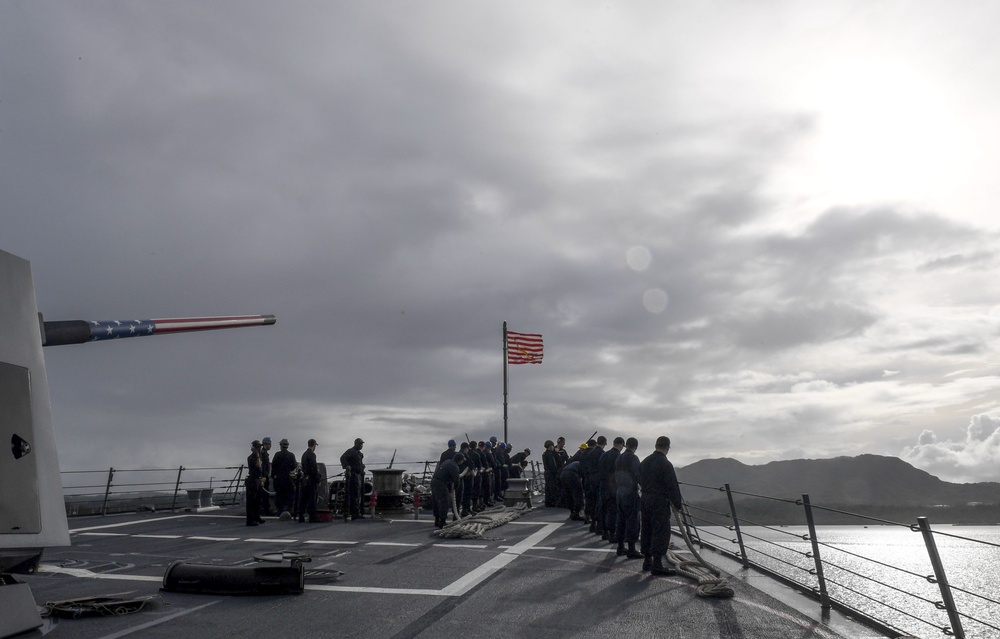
(64, 332)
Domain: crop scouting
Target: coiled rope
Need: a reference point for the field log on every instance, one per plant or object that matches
(101, 605)
(710, 582)
(473, 526)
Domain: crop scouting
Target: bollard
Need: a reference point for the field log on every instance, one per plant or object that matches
(194, 498)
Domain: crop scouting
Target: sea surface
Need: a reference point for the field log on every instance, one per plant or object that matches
(883, 570)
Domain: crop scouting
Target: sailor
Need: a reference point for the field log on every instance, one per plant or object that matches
(503, 462)
(562, 458)
(310, 483)
(607, 509)
(627, 469)
(490, 466)
(571, 479)
(659, 490)
(468, 480)
(253, 484)
(591, 462)
(518, 462)
(352, 463)
(449, 452)
(265, 471)
(550, 468)
(465, 470)
(508, 447)
(282, 467)
(476, 462)
(443, 482)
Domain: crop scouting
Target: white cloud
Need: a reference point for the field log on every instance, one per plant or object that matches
(974, 459)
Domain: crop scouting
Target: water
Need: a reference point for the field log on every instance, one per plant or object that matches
(882, 570)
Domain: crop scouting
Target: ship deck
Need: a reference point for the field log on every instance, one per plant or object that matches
(539, 576)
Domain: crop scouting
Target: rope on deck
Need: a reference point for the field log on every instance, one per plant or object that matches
(710, 581)
(473, 526)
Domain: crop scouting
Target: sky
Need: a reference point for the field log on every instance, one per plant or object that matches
(766, 230)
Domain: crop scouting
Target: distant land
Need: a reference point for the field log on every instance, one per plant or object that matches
(873, 485)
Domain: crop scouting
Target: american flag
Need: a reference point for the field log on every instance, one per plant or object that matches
(524, 348)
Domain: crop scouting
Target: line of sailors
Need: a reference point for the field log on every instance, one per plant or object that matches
(477, 473)
(625, 501)
(296, 482)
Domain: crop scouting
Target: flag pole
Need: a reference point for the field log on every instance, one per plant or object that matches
(505, 381)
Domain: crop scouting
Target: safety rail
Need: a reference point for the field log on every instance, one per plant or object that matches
(887, 591)
(128, 490)
(118, 490)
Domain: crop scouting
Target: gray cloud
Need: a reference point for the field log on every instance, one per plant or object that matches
(393, 184)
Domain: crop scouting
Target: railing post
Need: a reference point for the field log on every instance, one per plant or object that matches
(736, 527)
(942, 580)
(107, 492)
(688, 522)
(234, 485)
(177, 486)
(824, 597)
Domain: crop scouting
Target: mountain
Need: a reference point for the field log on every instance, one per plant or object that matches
(865, 480)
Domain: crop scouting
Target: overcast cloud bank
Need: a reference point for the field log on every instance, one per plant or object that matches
(767, 233)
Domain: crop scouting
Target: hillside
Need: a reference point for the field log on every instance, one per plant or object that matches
(866, 480)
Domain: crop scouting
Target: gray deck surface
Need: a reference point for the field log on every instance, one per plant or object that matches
(541, 576)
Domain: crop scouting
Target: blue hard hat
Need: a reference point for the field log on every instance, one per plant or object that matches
(451, 442)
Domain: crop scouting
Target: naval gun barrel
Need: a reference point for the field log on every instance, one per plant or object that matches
(64, 332)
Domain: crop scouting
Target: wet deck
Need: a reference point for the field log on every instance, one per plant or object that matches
(540, 576)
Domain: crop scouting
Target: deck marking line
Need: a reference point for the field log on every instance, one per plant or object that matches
(389, 543)
(127, 523)
(473, 578)
(611, 549)
(152, 536)
(272, 541)
(214, 538)
(461, 545)
(157, 622)
(380, 591)
(533, 548)
(89, 574)
(323, 541)
(103, 534)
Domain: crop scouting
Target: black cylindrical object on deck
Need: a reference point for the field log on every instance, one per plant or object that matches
(256, 579)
